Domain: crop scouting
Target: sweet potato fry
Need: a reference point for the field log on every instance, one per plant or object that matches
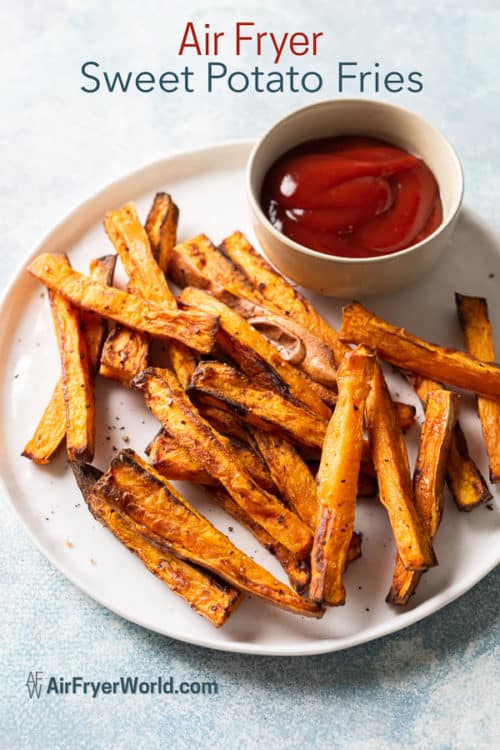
(170, 405)
(132, 244)
(94, 326)
(408, 352)
(216, 385)
(207, 594)
(354, 552)
(295, 481)
(338, 478)
(297, 570)
(174, 462)
(220, 385)
(184, 361)
(136, 489)
(296, 344)
(473, 317)
(198, 263)
(161, 227)
(428, 481)
(255, 355)
(51, 429)
(77, 379)
(278, 293)
(125, 353)
(394, 481)
(224, 422)
(146, 277)
(466, 483)
(155, 218)
(405, 415)
(290, 474)
(196, 329)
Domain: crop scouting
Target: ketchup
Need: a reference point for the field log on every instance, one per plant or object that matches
(352, 196)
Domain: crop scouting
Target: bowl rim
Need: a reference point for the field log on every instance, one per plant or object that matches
(378, 259)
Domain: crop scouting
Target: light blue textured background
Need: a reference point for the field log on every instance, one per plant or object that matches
(434, 685)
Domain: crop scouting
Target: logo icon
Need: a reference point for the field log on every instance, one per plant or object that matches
(34, 684)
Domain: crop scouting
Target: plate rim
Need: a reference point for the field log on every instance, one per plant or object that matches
(321, 646)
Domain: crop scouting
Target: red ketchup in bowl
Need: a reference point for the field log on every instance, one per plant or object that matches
(352, 196)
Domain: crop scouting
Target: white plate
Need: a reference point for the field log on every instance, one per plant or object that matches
(208, 185)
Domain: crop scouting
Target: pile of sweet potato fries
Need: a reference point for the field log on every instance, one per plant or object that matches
(263, 404)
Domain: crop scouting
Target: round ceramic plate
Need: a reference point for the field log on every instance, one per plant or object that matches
(208, 185)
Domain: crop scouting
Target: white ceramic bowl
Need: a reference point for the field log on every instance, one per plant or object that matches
(356, 277)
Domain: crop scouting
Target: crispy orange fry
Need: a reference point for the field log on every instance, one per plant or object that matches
(199, 263)
(297, 570)
(51, 429)
(143, 267)
(182, 466)
(394, 482)
(290, 473)
(184, 362)
(125, 354)
(473, 317)
(408, 352)
(295, 482)
(296, 344)
(405, 414)
(220, 385)
(196, 329)
(428, 481)
(207, 594)
(466, 483)
(136, 489)
(338, 478)
(77, 379)
(237, 268)
(94, 326)
(430, 469)
(169, 404)
(278, 293)
(255, 355)
(161, 227)
(225, 422)
(132, 244)
(174, 462)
